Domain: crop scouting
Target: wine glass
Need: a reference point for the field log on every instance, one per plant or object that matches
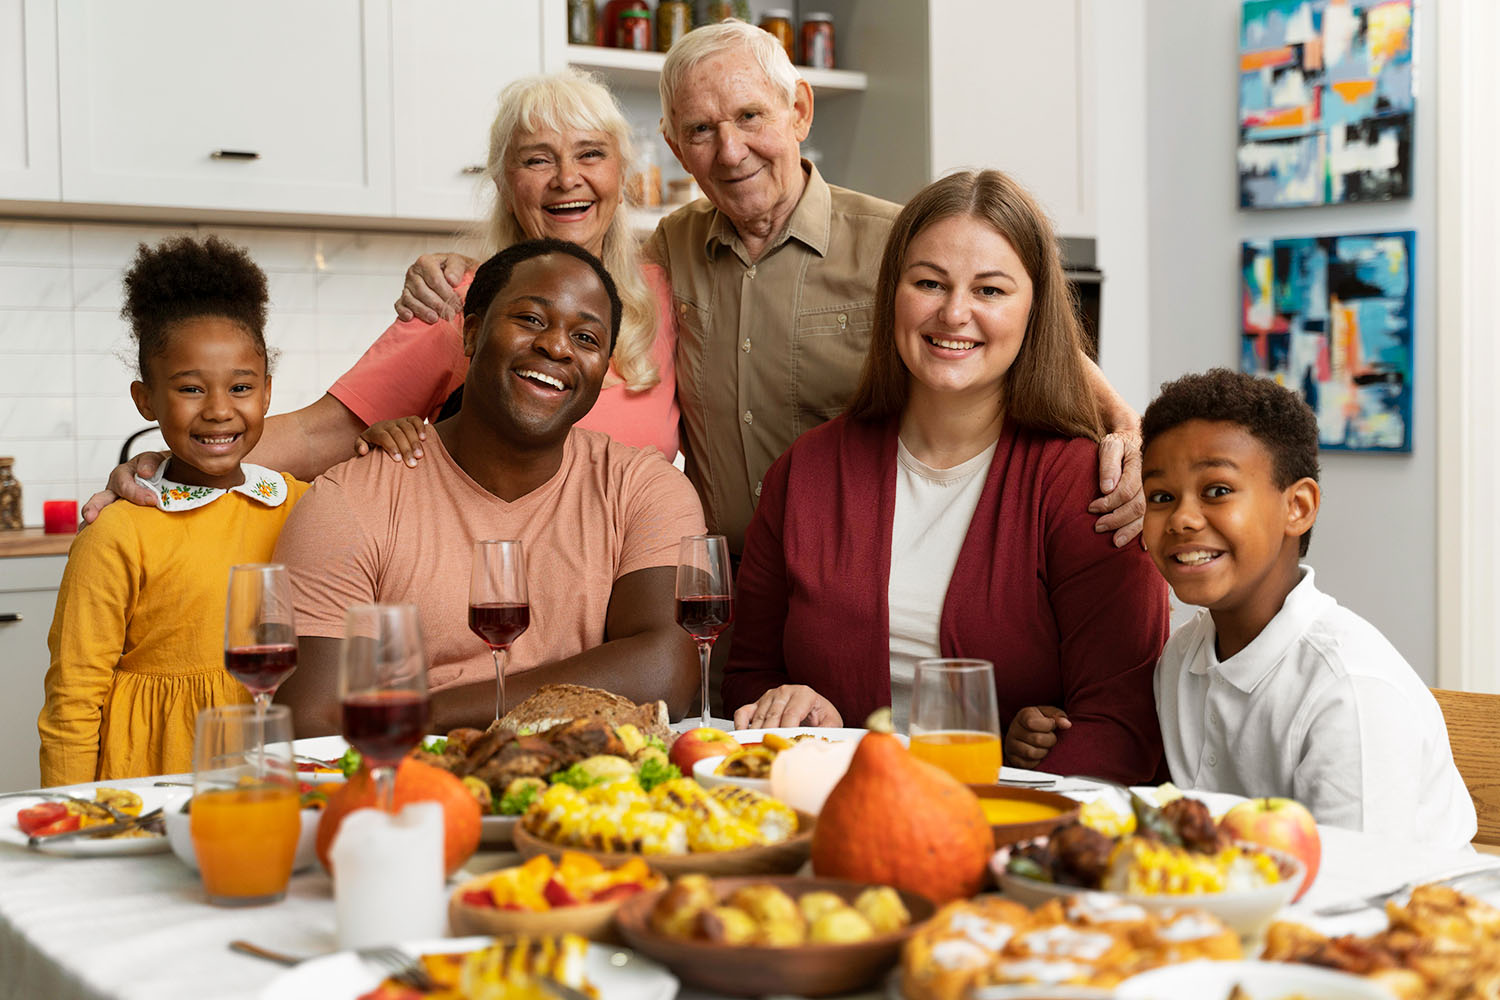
(245, 817)
(383, 689)
(498, 609)
(705, 596)
(260, 636)
(955, 723)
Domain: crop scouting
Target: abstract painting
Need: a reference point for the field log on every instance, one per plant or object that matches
(1332, 317)
(1326, 102)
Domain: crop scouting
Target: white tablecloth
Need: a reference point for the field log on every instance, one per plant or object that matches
(138, 928)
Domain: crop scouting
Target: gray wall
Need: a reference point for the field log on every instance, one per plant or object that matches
(1375, 544)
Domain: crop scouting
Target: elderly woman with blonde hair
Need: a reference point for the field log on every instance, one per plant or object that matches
(559, 150)
(946, 513)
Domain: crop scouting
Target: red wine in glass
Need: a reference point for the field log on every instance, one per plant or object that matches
(705, 617)
(384, 725)
(261, 668)
(499, 624)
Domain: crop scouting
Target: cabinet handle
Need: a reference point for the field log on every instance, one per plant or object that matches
(10, 616)
(233, 154)
(473, 168)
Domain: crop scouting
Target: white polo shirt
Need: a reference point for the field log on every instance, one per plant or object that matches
(1319, 708)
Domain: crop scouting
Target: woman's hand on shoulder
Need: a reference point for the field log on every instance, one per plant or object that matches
(788, 705)
(428, 293)
(122, 484)
(1122, 504)
(1032, 733)
(400, 438)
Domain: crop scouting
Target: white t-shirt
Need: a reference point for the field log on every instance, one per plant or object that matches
(933, 511)
(1319, 708)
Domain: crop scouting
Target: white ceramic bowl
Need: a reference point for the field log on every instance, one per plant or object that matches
(703, 770)
(1247, 913)
(180, 836)
(1260, 980)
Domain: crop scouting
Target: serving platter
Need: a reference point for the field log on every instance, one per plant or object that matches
(1203, 979)
(618, 973)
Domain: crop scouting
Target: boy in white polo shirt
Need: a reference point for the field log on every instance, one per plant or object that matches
(1274, 689)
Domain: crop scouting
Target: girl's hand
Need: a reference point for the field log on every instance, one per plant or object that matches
(1032, 733)
(401, 439)
(788, 705)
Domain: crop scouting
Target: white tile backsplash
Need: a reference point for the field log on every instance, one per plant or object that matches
(31, 287)
(67, 359)
(32, 331)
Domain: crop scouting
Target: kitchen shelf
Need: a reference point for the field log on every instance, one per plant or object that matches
(627, 67)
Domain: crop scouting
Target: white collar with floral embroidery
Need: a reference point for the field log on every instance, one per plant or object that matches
(260, 484)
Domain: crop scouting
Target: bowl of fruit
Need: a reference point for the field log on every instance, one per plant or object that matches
(575, 894)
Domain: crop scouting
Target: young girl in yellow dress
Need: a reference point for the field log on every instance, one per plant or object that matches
(137, 640)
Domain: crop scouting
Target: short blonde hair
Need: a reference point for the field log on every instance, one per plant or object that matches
(575, 100)
(729, 35)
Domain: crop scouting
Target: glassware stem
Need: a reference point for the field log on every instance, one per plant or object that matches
(705, 651)
(385, 787)
(261, 701)
(499, 655)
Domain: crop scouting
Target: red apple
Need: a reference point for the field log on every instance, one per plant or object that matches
(696, 744)
(1280, 824)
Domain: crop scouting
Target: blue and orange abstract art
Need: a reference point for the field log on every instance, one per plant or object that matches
(1332, 317)
(1326, 102)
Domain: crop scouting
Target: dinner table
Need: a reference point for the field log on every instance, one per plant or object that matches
(139, 927)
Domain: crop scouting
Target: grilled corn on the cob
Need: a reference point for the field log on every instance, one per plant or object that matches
(774, 821)
(1147, 867)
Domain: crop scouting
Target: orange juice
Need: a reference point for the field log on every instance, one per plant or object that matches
(245, 839)
(971, 757)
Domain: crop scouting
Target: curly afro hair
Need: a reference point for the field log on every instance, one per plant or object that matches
(1276, 417)
(183, 278)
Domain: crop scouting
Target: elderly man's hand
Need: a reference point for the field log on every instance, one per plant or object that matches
(1123, 504)
(788, 705)
(428, 294)
(122, 484)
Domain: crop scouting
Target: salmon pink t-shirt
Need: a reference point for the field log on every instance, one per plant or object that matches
(414, 367)
(374, 530)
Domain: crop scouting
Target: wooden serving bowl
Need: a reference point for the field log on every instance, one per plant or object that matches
(771, 859)
(1011, 833)
(810, 970)
(594, 921)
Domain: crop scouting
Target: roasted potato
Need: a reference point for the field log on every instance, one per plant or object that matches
(727, 925)
(814, 904)
(882, 907)
(776, 914)
(841, 926)
(676, 913)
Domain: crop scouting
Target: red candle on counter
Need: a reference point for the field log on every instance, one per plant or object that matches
(59, 517)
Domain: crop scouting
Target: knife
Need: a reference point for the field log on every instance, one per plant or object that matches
(150, 820)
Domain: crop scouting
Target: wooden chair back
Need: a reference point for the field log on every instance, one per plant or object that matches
(1474, 733)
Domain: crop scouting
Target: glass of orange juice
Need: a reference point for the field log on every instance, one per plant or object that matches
(954, 721)
(245, 818)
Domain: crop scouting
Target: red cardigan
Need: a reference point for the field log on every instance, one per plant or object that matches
(1067, 618)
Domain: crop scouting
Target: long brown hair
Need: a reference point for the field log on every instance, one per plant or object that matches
(1047, 386)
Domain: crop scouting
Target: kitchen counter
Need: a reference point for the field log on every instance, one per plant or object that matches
(33, 542)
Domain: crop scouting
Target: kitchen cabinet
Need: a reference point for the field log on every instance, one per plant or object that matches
(28, 588)
(275, 106)
(450, 60)
(28, 99)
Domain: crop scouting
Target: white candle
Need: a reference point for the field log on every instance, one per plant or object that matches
(804, 774)
(388, 878)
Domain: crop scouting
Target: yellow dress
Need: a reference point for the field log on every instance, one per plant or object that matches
(137, 640)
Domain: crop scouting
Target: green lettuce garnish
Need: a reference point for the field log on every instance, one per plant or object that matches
(653, 771)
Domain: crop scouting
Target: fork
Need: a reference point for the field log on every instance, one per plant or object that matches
(400, 966)
(1379, 899)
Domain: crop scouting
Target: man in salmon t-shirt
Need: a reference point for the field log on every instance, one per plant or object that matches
(599, 521)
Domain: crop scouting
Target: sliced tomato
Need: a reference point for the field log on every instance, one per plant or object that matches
(33, 818)
(478, 897)
(66, 824)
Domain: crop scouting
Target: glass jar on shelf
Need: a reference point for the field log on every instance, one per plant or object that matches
(634, 31)
(583, 22)
(609, 20)
(674, 18)
(817, 40)
(715, 11)
(643, 186)
(778, 21)
(10, 497)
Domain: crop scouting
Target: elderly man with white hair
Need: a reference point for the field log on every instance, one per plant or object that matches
(773, 279)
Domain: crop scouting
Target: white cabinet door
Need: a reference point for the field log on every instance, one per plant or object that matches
(28, 100)
(450, 58)
(275, 105)
(1012, 86)
(28, 589)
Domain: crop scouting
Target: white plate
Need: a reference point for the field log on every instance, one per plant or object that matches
(703, 770)
(86, 847)
(1203, 980)
(619, 974)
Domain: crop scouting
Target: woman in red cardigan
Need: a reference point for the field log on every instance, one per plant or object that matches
(946, 514)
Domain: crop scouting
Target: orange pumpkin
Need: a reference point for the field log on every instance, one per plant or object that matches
(415, 782)
(899, 821)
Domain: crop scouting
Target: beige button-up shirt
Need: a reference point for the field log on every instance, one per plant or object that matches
(767, 349)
